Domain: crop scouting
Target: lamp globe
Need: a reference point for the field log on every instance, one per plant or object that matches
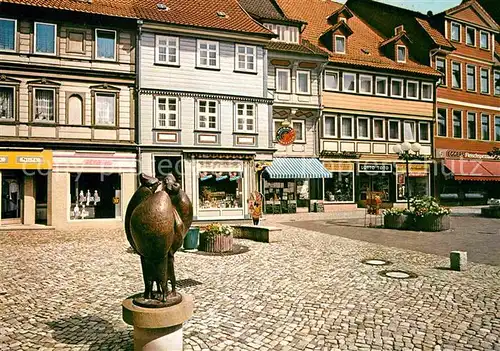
(406, 146)
(397, 148)
(415, 147)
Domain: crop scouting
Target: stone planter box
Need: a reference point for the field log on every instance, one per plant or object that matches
(432, 223)
(491, 212)
(218, 243)
(396, 221)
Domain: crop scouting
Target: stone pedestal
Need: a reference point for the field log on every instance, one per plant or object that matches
(458, 260)
(158, 328)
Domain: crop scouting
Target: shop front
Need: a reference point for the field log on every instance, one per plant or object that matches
(419, 180)
(23, 185)
(375, 179)
(339, 189)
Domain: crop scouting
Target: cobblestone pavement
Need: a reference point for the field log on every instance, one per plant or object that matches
(63, 291)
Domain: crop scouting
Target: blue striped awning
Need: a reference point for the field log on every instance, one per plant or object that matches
(300, 168)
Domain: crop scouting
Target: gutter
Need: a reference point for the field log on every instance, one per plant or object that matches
(138, 95)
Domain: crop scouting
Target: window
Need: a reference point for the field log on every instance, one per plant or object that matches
(457, 124)
(485, 127)
(347, 127)
(167, 50)
(300, 131)
(75, 110)
(340, 187)
(470, 37)
(471, 77)
(363, 127)
(45, 38)
(246, 58)
(442, 122)
(409, 131)
(44, 105)
(471, 125)
(75, 42)
(167, 112)
(208, 54)
(378, 129)
(411, 89)
(7, 34)
(330, 126)
(497, 128)
(245, 118)
(455, 31)
(331, 80)
(365, 84)
(105, 106)
(381, 86)
(220, 189)
(349, 80)
(207, 114)
(427, 93)
(105, 44)
(397, 87)
(6, 103)
(401, 53)
(456, 75)
(394, 130)
(285, 33)
(339, 44)
(303, 82)
(484, 40)
(441, 68)
(485, 81)
(423, 132)
(282, 80)
(497, 82)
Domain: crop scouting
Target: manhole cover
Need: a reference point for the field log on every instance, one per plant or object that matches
(376, 262)
(398, 274)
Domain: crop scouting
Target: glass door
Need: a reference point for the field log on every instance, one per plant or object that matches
(12, 186)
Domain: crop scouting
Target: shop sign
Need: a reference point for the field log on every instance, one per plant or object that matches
(76, 161)
(416, 170)
(260, 165)
(375, 167)
(339, 166)
(285, 135)
(463, 154)
(26, 160)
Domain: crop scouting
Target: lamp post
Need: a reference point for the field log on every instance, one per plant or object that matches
(403, 150)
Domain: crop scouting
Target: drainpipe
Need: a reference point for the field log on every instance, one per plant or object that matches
(138, 94)
(320, 103)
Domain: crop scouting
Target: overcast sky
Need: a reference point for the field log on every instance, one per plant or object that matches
(421, 5)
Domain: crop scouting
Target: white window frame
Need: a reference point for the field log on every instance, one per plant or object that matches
(445, 122)
(167, 112)
(444, 83)
(472, 113)
(335, 41)
(402, 87)
(245, 117)
(157, 50)
(237, 56)
(461, 124)
(397, 53)
(114, 107)
(461, 75)
(54, 107)
(15, 34)
(414, 130)
(335, 120)
(361, 76)
(459, 32)
(343, 82)
(13, 103)
(389, 130)
(338, 80)
(495, 72)
(95, 45)
(289, 84)
(467, 78)
(466, 36)
(308, 73)
(386, 86)
(198, 56)
(368, 128)
(481, 70)
(489, 127)
(408, 82)
(422, 91)
(428, 132)
(383, 129)
(481, 32)
(55, 39)
(352, 127)
(217, 112)
(302, 127)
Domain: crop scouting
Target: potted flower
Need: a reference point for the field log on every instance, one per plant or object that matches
(216, 237)
(428, 215)
(396, 218)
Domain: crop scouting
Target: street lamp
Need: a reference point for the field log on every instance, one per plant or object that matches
(403, 150)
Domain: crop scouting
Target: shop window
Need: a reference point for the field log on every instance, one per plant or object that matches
(470, 37)
(441, 68)
(418, 185)
(381, 86)
(394, 130)
(167, 112)
(412, 89)
(456, 29)
(44, 109)
(396, 87)
(485, 40)
(456, 75)
(485, 81)
(330, 126)
(105, 44)
(409, 131)
(105, 109)
(303, 82)
(75, 110)
(6, 103)
(427, 91)
(424, 132)
(45, 38)
(340, 188)
(378, 129)
(349, 82)
(167, 50)
(169, 164)
(220, 190)
(497, 128)
(95, 195)
(207, 115)
(365, 84)
(471, 77)
(246, 58)
(363, 127)
(7, 34)
(371, 186)
(331, 80)
(245, 118)
(282, 80)
(442, 122)
(300, 131)
(347, 124)
(471, 125)
(457, 124)
(485, 127)
(208, 54)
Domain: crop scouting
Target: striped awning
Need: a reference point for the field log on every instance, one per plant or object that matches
(299, 168)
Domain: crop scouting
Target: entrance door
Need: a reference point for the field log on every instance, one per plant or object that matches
(12, 195)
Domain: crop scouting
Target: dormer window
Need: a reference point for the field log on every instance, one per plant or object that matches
(401, 53)
(339, 44)
(398, 29)
(288, 34)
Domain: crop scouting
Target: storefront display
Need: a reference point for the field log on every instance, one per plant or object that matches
(374, 179)
(339, 188)
(418, 181)
(280, 196)
(220, 190)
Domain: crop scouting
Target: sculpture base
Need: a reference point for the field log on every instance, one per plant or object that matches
(158, 328)
(156, 303)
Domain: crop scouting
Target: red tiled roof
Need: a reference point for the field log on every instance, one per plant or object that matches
(435, 35)
(395, 38)
(305, 48)
(362, 47)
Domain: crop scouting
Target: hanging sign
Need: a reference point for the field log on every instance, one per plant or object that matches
(285, 135)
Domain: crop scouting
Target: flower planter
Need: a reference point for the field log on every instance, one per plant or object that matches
(432, 223)
(392, 221)
(191, 239)
(217, 243)
(491, 212)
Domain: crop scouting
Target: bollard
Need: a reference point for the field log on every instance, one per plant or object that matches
(458, 260)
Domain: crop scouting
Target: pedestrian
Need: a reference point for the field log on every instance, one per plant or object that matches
(256, 213)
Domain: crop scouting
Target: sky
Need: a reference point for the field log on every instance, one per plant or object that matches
(423, 6)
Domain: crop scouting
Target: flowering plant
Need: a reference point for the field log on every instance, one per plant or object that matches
(214, 229)
(395, 211)
(426, 206)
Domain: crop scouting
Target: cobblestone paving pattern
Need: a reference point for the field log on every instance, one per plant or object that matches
(63, 291)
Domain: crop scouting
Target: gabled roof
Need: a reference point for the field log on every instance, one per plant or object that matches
(395, 38)
(492, 7)
(474, 4)
(339, 11)
(332, 29)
